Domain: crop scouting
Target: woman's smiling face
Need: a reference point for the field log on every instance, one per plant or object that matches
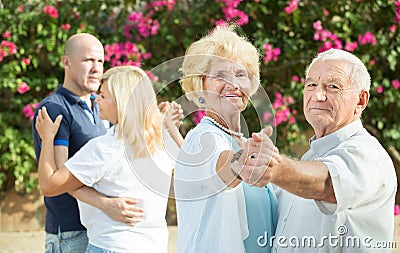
(226, 86)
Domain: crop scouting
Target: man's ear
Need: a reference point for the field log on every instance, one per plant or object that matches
(363, 99)
(65, 61)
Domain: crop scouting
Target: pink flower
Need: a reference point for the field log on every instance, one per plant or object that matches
(351, 46)
(51, 10)
(367, 38)
(28, 111)
(151, 76)
(232, 13)
(20, 8)
(295, 78)
(143, 25)
(66, 27)
(35, 105)
(11, 47)
(396, 84)
(372, 62)
(220, 22)
(6, 34)
(292, 120)
(317, 25)
(292, 6)
(397, 15)
(393, 28)
(281, 116)
(157, 5)
(396, 210)
(22, 88)
(267, 116)
(337, 44)
(124, 54)
(379, 89)
(26, 61)
(326, 12)
(197, 116)
(271, 53)
(326, 46)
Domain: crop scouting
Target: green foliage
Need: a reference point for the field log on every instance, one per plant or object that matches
(40, 38)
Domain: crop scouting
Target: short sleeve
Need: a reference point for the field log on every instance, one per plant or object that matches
(63, 134)
(90, 164)
(195, 170)
(355, 175)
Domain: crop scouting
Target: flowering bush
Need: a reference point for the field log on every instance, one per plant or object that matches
(288, 34)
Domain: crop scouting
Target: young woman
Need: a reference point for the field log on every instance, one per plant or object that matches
(128, 161)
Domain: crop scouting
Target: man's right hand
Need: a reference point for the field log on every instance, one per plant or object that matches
(261, 155)
(125, 210)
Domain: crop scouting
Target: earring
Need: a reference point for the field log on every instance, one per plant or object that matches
(201, 100)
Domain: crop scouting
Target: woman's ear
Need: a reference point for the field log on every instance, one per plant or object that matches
(363, 99)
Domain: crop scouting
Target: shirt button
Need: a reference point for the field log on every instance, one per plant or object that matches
(284, 220)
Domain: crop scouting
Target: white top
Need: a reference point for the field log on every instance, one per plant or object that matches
(365, 184)
(211, 217)
(104, 165)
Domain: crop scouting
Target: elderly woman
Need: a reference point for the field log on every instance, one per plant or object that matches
(216, 211)
(129, 161)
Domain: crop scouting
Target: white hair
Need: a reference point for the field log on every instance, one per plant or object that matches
(359, 76)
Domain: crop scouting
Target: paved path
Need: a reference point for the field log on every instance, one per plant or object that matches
(33, 242)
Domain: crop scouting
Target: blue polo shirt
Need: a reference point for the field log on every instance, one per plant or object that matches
(79, 124)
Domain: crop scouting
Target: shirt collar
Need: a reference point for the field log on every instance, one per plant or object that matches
(71, 97)
(326, 143)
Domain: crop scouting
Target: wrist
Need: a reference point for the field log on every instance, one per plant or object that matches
(236, 167)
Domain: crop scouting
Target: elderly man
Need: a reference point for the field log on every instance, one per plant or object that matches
(340, 196)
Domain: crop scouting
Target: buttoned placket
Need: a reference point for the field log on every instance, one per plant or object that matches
(88, 112)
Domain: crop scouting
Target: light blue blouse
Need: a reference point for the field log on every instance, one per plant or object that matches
(261, 211)
(262, 217)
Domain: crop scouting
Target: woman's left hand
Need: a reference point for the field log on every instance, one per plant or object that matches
(46, 128)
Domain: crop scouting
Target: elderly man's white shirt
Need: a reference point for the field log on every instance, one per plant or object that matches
(365, 184)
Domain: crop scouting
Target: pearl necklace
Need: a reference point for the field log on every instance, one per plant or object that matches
(226, 130)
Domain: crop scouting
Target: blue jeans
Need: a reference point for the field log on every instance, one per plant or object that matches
(66, 242)
(94, 249)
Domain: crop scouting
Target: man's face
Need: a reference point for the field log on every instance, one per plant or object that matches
(87, 66)
(330, 100)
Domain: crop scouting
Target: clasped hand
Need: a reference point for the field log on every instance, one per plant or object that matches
(260, 159)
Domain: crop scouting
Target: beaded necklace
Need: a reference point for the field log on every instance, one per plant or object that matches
(226, 130)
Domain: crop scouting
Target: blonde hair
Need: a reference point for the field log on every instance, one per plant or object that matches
(359, 77)
(221, 42)
(139, 119)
